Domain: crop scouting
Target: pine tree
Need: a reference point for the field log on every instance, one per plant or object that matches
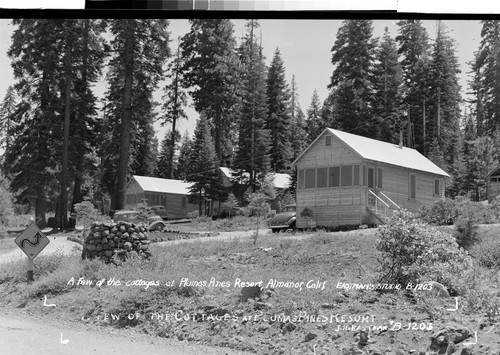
(212, 72)
(314, 121)
(175, 101)
(253, 145)
(279, 119)
(387, 81)
(298, 136)
(300, 140)
(33, 159)
(414, 49)
(445, 98)
(167, 164)
(463, 180)
(353, 57)
(7, 110)
(88, 61)
(205, 171)
(183, 168)
(479, 164)
(141, 48)
(144, 150)
(328, 115)
(486, 85)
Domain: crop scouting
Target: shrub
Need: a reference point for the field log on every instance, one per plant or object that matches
(144, 212)
(193, 214)
(487, 252)
(495, 207)
(3, 231)
(307, 212)
(413, 252)
(443, 212)
(466, 232)
(86, 214)
(448, 211)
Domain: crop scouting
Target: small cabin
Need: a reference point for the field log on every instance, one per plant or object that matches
(238, 186)
(347, 179)
(493, 184)
(173, 194)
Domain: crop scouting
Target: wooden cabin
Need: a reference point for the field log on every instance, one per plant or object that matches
(346, 179)
(493, 184)
(173, 194)
(237, 186)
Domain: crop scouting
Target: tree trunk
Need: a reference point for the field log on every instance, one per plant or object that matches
(123, 163)
(77, 189)
(257, 232)
(63, 203)
(170, 162)
(40, 211)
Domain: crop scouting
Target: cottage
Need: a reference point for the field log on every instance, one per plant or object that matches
(493, 184)
(173, 194)
(238, 186)
(346, 179)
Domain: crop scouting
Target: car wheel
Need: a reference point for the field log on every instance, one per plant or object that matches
(160, 227)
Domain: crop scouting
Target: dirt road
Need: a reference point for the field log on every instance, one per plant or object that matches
(23, 336)
(57, 243)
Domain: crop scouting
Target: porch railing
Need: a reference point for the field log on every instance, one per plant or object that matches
(377, 199)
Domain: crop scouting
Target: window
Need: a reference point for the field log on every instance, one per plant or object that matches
(371, 178)
(322, 177)
(413, 186)
(365, 178)
(356, 175)
(334, 176)
(310, 178)
(328, 141)
(346, 175)
(379, 178)
(183, 202)
(437, 190)
(301, 182)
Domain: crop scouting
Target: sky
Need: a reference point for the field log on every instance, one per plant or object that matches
(305, 46)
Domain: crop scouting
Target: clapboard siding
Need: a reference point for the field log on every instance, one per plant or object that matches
(174, 204)
(331, 206)
(397, 187)
(337, 154)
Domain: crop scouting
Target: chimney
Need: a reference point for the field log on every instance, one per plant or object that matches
(401, 139)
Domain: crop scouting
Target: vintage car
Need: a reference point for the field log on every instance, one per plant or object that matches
(284, 220)
(160, 211)
(154, 222)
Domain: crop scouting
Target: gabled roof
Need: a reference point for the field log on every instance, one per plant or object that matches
(169, 186)
(280, 181)
(495, 171)
(372, 149)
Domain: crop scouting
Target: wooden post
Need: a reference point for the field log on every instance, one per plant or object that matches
(30, 270)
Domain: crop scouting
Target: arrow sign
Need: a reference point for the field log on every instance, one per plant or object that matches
(32, 241)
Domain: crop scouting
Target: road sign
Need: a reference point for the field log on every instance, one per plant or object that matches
(32, 241)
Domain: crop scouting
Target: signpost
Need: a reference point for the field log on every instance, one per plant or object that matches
(31, 241)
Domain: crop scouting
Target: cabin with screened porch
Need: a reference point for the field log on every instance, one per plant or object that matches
(346, 179)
